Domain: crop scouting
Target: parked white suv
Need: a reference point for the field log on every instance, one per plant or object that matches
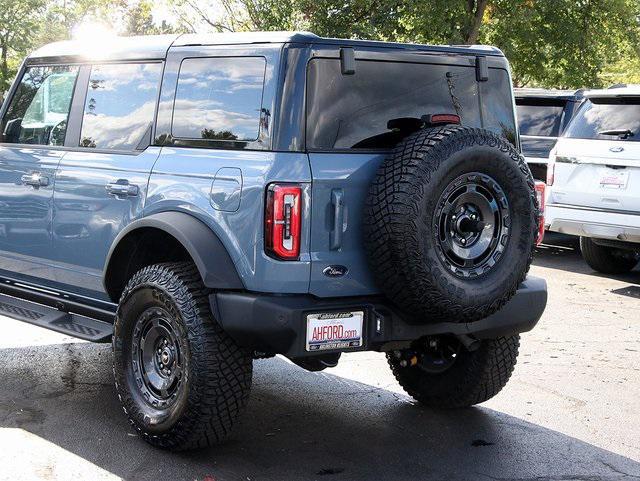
(594, 180)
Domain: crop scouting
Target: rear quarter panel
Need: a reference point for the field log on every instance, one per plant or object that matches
(182, 180)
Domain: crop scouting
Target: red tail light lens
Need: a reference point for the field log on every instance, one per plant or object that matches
(540, 191)
(283, 221)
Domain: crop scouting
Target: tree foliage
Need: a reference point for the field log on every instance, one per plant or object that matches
(550, 43)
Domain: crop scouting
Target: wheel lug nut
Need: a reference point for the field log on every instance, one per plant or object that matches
(463, 240)
(161, 366)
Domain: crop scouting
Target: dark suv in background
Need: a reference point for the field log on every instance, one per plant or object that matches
(542, 117)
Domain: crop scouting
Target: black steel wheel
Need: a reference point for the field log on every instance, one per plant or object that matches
(471, 224)
(181, 379)
(158, 357)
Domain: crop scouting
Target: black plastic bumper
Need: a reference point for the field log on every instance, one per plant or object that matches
(277, 324)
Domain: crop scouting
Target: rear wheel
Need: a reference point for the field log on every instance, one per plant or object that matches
(441, 373)
(607, 260)
(181, 379)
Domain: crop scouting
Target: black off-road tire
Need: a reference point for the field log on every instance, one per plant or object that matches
(475, 376)
(215, 374)
(402, 241)
(607, 260)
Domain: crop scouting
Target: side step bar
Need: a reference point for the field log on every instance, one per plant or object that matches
(51, 318)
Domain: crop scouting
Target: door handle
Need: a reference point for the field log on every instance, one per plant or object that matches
(35, 179)
(122, 188)
(337, 199)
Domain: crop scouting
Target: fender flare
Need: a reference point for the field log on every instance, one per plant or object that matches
(205, 248)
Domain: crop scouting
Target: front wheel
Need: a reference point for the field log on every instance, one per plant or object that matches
(607, 260)
(441, 373)
(181, 379)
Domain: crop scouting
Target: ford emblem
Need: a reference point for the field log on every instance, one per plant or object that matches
(616, 149)
(335, 271)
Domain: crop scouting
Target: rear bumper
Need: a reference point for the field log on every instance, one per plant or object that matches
(277, 324)
(597, 223)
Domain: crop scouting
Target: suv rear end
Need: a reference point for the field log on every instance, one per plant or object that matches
(594, 179)
(542, 117)
(281, 193)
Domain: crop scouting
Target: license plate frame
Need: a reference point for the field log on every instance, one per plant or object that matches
(614, 179)
(334, 330)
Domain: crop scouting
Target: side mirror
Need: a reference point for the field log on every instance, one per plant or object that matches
(12, 131)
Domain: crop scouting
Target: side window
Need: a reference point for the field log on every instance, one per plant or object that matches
(39, 109)
(219, 98)
(120, 105)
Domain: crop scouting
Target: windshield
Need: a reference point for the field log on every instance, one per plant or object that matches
(607, 119)
(540, 119)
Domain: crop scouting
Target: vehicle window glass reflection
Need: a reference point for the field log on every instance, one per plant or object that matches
(39, 110)
(120, 105)
(219, 98)
(607, 119)
(539, 119)
(366, 110)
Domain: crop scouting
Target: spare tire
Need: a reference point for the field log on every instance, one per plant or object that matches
(450, 224)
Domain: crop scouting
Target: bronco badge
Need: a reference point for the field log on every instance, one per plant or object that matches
(335, 271)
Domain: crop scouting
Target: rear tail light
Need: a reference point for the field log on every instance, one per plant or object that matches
(551, 171)
(540, 191)
(283, 221)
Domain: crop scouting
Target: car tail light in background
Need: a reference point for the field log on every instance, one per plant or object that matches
(551, 172)
(283, 221)
(540, 191)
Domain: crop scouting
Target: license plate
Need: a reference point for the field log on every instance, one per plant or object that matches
(614, 180)
(334, 330)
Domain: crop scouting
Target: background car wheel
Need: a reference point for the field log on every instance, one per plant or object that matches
(181, 379)
(450, 224)
(607, 260)
(441, 373)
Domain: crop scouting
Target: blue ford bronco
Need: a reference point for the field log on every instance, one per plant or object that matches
(200, 201)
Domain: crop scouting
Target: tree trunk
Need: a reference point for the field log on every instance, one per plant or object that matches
(475, 11)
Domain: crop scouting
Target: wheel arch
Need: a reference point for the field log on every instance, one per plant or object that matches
(168, 236)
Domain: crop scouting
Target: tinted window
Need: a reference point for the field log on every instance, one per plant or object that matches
(361, 111)
(541, 119)
(618, 116)
(39, 110)
(497, 105)
(219, 98)
(120, 105)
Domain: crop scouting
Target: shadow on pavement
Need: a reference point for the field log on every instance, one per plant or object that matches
(568, 258)
(298, 426)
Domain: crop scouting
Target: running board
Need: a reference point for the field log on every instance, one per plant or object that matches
(51, 318)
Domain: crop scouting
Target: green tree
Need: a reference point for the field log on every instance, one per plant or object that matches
(19, 27)
(139, 21)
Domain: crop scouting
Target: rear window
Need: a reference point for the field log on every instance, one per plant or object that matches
(540, 118)
(219, 98)
(607, 119)
(354, 111)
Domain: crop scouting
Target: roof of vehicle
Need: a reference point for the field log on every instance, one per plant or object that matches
(537, 93)
(615, 91)
(156, 46)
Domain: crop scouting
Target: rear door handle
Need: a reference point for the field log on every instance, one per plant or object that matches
(122, 188)
(35, 179)
(337, 199)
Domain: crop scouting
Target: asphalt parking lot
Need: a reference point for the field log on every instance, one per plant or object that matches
(570, 412)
